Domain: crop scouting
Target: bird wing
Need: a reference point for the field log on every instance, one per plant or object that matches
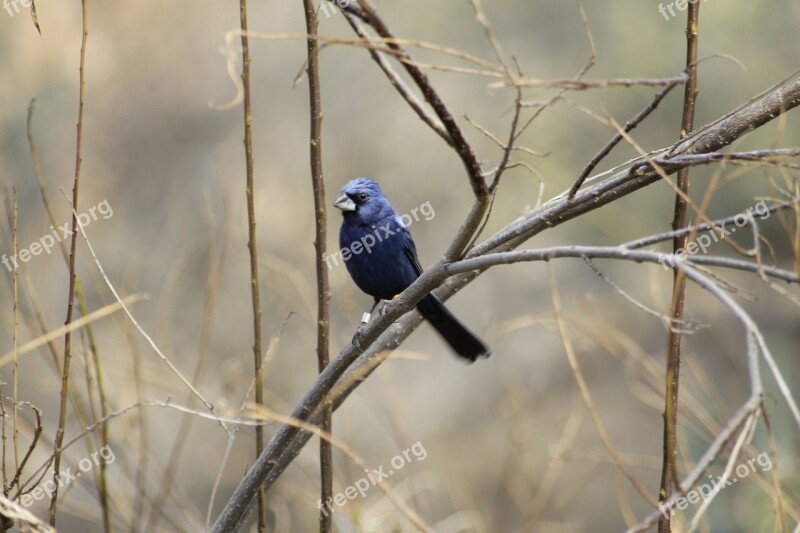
(411, 251)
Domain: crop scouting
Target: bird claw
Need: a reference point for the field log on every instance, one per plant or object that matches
(359, 333)
(357, 339)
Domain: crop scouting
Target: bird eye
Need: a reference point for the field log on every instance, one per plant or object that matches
(362, 196)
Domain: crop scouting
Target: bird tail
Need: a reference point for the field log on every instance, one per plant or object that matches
(460, 339)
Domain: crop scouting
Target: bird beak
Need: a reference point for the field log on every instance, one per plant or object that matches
(344, 203)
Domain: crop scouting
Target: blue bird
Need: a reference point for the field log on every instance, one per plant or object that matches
(383, 260)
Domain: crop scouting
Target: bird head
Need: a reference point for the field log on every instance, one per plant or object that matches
(363, 199)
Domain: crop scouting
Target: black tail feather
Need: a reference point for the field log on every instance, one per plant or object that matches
(460, 339)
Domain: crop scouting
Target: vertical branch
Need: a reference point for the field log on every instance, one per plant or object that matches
(15, 326)
(62, 413)
(102, 430)
(251, 244)
(143, 460)
(669, 469)
(318, 186)
(102, 436)
(6, 523)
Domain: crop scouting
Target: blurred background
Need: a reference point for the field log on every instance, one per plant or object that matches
(510, 444)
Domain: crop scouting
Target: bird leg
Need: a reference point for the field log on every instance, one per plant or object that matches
(364, 321)
(366, 316)
(382, 310)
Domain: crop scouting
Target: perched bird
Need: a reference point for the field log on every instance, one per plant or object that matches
(383, 260)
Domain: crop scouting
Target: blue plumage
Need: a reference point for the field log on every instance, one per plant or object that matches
(382, 260)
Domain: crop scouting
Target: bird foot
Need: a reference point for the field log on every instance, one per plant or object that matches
(357, 339)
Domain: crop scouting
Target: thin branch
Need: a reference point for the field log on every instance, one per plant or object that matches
(62, 412)
(398, 83)
(100, 470)
(758, 156)
(668, 322)
(166, 404)
(252, 246)
(69, 328)
(320, 239)
(637, 174)
(582, 85)
(745, 437)
(460, 145)
(621, 252)
(615, 140)
(123, 304)
(370, 43)
(669, 468)
(15, 341)
(6, 521)
(566, 343)
(697, 228)
(37, 432)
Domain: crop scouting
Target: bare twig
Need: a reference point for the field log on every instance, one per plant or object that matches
(629, 126)
(369, 43)
(100, 470)
(123, 304)
(582, 85)
(15, 341)
(6, 522)
(669, 468)
(62, 413)
(460, 145)
(70, 327)
(252, 247)
(37, 432)
(398, 83)
(566, 343)
(320, 238)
